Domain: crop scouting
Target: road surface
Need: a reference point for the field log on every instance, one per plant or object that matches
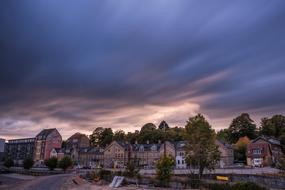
(53, 182)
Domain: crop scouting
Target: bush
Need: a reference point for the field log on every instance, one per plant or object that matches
(9, 163)
(106, 175)
(28, 163)
(236, 186)
(65, 163)
(164, 168)
(247, 186)
(51, 163)
(131, 170)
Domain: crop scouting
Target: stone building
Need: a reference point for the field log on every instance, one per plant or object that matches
(227, 154)
(263, 151)
(117, 154)
(46, 140)
(146, 155)
(91, 157)
(78, 140)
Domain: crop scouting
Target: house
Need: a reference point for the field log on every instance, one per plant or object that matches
(20, 149)
(226, 150)
(57, 153)
(263, 151)
(117, 154)
(46, 140)
(180, 155)
(145, 155)
(77, 140)
(91, 157)
(227, 154)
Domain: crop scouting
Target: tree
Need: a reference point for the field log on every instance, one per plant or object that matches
(65, 162)
(51, 163)
(131, 170)
(119, 135)
(224, 135)
(274, 126)
(28, 163)
(101, 136)
(240, 149)
(201, 149)
(242, 126)
(164, 169)
(95, 137)
(163, 125)
(281, 164)
(9, 163)
(150, 133)
(133, 137)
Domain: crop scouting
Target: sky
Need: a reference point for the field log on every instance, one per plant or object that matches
(78, 65)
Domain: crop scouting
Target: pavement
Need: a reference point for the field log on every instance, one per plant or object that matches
(21, 182)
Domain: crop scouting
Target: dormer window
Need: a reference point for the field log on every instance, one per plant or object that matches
(141, 149)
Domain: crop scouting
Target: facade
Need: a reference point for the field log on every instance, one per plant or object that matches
(46, 140)
(117, 154)
(78, 140)
(20, 149)
(227, 154)
(263, 151)
(180, 155)
(146, 155)
(91, 157)
(2, 149)
(57, 153)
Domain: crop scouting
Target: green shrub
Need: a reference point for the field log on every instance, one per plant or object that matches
(247, 186)
(105, 174)
(65, 163)
(51, 163)
(9, 163)
(236, 186)
(28, 163)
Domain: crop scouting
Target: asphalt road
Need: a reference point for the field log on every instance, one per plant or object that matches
(53, 182)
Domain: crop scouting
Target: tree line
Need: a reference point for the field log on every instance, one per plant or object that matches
(240, 126)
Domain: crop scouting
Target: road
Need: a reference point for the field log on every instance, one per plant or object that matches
(53, 182)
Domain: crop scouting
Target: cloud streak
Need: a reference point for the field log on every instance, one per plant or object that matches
(78, 65)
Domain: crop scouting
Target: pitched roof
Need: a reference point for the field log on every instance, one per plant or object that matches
(270, 140)
(77, 136)
(46, 132)
(146, 147)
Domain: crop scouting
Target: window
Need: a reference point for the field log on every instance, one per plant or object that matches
(256, 151)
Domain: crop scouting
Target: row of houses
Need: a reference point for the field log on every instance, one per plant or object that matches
(48, 143)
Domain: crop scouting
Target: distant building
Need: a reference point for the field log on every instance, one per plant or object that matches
(46, 140)
(91, 157)
(2, 149)
(57, 153)
(20, 149)
(263, 151)
(117, 154)
(227, 154)
(77, 140)
(180, 155)
(147, 155)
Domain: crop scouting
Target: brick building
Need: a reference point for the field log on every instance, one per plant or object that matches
(263, 151)
(46, 140)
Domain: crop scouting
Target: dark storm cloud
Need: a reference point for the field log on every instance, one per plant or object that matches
(83, 63)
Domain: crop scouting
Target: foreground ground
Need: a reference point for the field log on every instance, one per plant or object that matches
(21, 182)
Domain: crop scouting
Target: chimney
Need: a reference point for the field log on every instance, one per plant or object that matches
(147, 142)
(136, 142)
(159, 141)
